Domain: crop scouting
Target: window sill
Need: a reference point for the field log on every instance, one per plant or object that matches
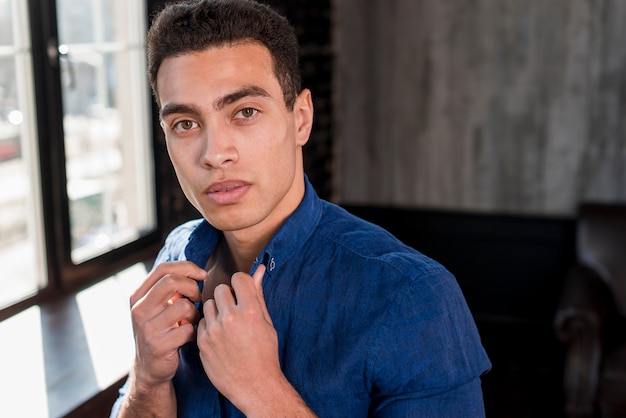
(57, 355)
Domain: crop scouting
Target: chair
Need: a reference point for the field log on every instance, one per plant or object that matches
(591, 318)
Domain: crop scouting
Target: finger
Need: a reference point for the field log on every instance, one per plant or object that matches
(173, 287)
(258, 278)
(171, 316)
(174, 337)
(169, 329)
(224, 298)
(183, 311)
(243, 287)
(163, 296)
(210, 310)
(201, 326)
(182, 268)
(258, 284)
(191, 294)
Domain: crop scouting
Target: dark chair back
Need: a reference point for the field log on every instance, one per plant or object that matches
(601, 246)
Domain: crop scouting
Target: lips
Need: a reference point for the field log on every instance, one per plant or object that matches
(227, 192)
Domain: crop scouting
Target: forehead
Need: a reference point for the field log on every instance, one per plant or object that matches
(217, 70)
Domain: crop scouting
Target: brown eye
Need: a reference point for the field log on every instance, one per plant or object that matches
(184, 126)
(246, 113)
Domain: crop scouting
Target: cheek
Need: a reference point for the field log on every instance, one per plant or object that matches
(174, 157)
(274, 149)
(281, 160)
(180, 162)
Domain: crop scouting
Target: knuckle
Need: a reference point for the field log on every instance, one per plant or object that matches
(222, 290)
(168, 280)
(189, 309)
(137, 311)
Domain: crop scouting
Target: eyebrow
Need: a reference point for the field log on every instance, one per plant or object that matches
(218, 104)
(248, 91)
(171, 108)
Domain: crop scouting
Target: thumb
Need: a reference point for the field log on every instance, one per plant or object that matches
(258, 284)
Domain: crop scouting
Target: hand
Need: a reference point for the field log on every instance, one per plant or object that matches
(237, 341)
(163, 318)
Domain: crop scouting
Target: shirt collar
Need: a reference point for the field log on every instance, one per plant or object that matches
(289, 238)
(294, 232)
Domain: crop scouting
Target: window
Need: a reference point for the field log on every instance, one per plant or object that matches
(105, 104)
(77, 194)
(21, 245)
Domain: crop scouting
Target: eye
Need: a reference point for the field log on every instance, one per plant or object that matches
(246, 113)
(185, 125)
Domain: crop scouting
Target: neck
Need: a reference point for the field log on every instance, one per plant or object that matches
(246, 244)
(243, 252)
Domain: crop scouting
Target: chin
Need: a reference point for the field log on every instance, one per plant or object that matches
(228, 223)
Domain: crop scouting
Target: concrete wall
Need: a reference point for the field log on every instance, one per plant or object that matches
(514, 106)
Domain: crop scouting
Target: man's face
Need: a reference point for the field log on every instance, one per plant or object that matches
(236, 148)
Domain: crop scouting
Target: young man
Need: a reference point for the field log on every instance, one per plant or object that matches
(277, 303)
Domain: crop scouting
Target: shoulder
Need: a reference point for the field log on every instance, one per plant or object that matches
(369, 266)
(371, 244)
(421, 335)
(177, 240)
(183, 231)
(384, 273)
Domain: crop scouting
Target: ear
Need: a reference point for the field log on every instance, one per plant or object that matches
(303, 116)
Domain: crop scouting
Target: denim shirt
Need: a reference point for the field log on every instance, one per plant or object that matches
(367, 326)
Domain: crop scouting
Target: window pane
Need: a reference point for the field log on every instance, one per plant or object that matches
(22, 265)
(107, 141)
(6, 21)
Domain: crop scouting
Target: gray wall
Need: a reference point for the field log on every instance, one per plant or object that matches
(507, 106)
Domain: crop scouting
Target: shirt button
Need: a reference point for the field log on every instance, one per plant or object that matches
(272, 264)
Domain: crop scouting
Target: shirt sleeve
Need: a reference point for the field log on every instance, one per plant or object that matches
(115, 410)
(461, 402)
(427, 359)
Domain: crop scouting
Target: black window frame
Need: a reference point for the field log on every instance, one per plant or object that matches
(63, 275)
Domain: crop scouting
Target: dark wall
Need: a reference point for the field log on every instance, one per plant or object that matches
(312, 20)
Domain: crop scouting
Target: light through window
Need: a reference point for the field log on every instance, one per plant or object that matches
(106, 106)
(22, 259)
(86, 75)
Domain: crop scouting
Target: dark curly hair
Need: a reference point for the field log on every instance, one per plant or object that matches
(195, 25)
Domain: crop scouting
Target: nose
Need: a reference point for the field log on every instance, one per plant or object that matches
(219, 149)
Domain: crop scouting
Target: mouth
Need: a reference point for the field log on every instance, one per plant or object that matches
(227, 192)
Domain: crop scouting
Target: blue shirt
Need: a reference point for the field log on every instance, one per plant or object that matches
(367, 326)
